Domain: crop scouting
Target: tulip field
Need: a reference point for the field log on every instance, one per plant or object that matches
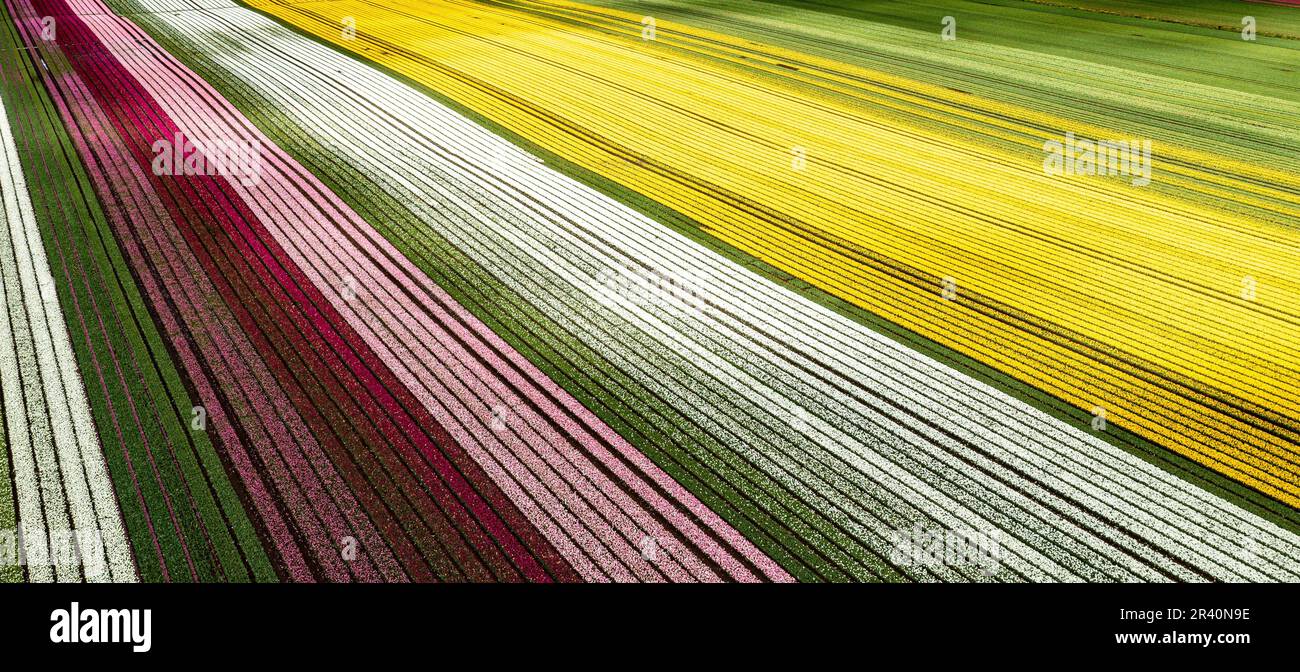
(649, 291)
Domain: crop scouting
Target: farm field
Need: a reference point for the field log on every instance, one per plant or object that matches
(906, 183)
(665, 291)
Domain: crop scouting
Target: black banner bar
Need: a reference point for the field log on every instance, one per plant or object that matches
(190, 623)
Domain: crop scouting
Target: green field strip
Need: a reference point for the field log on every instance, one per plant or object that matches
(10, 570)
(1273, 20)
(222, 541)
(1127, 42)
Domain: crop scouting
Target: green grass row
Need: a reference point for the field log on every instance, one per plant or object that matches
(9, 572)
(1065, 29)
(1224, 15)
